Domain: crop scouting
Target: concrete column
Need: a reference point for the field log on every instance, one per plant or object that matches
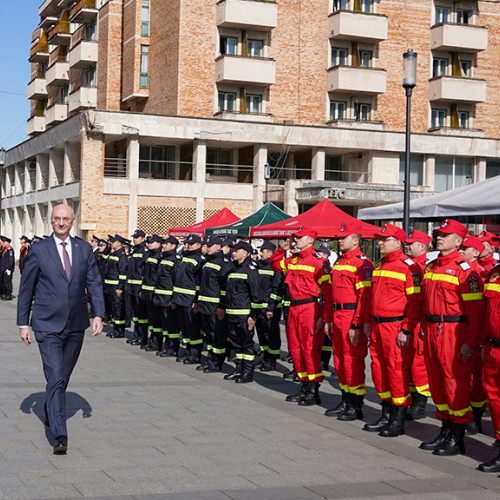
(259, 182)
(291, 206)
(290, 167)
(429, 172)
(177, 159)
(479, 170)
(66, 165)
(199, 175)
(318, 164)
(52, 167)
(133, 175)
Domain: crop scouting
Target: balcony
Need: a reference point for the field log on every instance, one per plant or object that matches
(60, 34)
(39, 53)
(83, 11)
(456, 89)
(56, 113)
(261, 14)
(459, 37)
(37, 88)
(244, 69)
(82, 98)
(359, 26)
(84, 54)
(35, 125)
(356, 80)
(58, 73)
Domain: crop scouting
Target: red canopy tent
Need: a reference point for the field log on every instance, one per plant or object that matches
(324, 217)
(222, 218)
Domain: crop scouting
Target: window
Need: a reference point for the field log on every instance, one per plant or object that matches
(340, 5)
(228, 45)
(255, 48)
(366, 5)
(465, 68)
(362, 112)
(90, 32)
(442, 15)
(463, 119)
(63, 94)
(339, 56)
(144, 67)
(464, 16)
(438, 118)
(332, 168)
(145, 18)
(337, 110)
(365, 58)
(416, 169)
(439, 67)
(157, 162)
(452, 172)
(89, 77)
(254, 103)
(216, 159)
(492, 169)
(227, 101)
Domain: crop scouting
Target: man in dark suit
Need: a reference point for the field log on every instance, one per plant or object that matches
(59, 279)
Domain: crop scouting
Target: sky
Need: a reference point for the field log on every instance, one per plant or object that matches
(17, 22)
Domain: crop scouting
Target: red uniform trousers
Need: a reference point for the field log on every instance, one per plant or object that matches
(449, 377)
(478, 395)
(349, 360)
(419, 378)
(491, 378)
(390, 364)
(304, 345)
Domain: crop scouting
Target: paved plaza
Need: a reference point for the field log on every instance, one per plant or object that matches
(144, 427)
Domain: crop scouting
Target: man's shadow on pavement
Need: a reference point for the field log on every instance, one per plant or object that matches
(35, 403)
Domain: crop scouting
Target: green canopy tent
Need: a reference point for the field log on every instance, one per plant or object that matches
(268, 214)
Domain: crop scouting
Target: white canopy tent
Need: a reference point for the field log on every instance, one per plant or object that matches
(480, 198)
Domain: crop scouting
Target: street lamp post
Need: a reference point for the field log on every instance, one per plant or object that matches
(409, 82)
(267, 176)
(2, 163)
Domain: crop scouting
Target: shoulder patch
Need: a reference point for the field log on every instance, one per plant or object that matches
(408, 262)
(464, 265)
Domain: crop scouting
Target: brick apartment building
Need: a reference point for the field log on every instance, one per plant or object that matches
(149, 114)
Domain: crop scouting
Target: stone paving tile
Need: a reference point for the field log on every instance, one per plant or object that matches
(40, 492)
(285, 493)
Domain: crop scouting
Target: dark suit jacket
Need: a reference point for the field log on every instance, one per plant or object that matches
(59, 302)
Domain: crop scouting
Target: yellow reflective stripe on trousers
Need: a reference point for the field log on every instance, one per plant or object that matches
(363, 284)
(158, 291)
(301, 267)
(492, 286)
(384, 395)
(241, 276)
(218, 351)
(341, 267)
(472, 296)
(249, 357)
(243, 312)
(441, 277)
(273, 296)
(424, 390)
(213, 300)
(315, 375)
(301, 374)
(148, 288)
(122, 276)
(400, 401)
(390, 274)
(274, 352)
(111, 282)
(259, 306)
(184, 290)
(359, 390)
(457, 413)
(134, 282)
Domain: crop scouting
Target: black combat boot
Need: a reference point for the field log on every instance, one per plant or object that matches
(440, 439)
(248, 368)
(396, 425)
(335, 412)
(476, 426)
(382, 421)
(295, 397)
(308, 398)
(317, 398)
(455, 444)
(238, 371)
(492, 465)
(417, 409)
(353, 410)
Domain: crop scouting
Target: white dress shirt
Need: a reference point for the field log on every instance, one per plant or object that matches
(60, 248)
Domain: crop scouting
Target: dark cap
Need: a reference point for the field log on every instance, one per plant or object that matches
(204, 241)
(103, 242)
(227, 243)
(171, 239)
(4, 238)
(214, 240)
(391, 231)
(95, 238)
(323, 249)
(139, 233)
(267, 245)
(110, 237)
(27, 240)
(244, 246)
(192, 238)
(450, 226)
(232, 237)
(154, 238)
(24, 237)
(119, 238)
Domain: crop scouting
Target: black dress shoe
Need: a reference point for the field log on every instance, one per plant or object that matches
(131, 341)
(190, 361)
(200, 368)
(210, 370)
(244, 379)
(233, 376)
(61, 445)
(118, 336)
(135, 342)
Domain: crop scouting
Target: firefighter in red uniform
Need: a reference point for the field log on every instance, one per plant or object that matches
(491, 364)
(452, 312)
(417, 246)
(351, 281)
(470, 250)
(306, 273)
(395, 311)
(486, 259)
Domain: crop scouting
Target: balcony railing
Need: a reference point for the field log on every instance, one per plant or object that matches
(365, 26)
(261, 14)
(60, 34)
(356, 79)
(457, 89)
(39, 52)
(115, 167)
(245, 69)
(459, 37)
(83, 11)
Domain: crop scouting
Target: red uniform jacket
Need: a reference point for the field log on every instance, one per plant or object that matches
(351, 278)
(396, 289)
(492, 294)
(306, 274)
(451, 287)
(488, 264)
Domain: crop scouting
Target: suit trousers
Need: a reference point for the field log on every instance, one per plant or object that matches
(59, 352)
(7, 283)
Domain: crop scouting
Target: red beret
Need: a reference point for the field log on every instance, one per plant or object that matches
(389, 230)
(348, 228)
(489, 237)
(473, 242)
(449, 226)
(306, 231)
(416, 235)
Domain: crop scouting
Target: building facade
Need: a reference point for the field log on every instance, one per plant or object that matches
(156, 114)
